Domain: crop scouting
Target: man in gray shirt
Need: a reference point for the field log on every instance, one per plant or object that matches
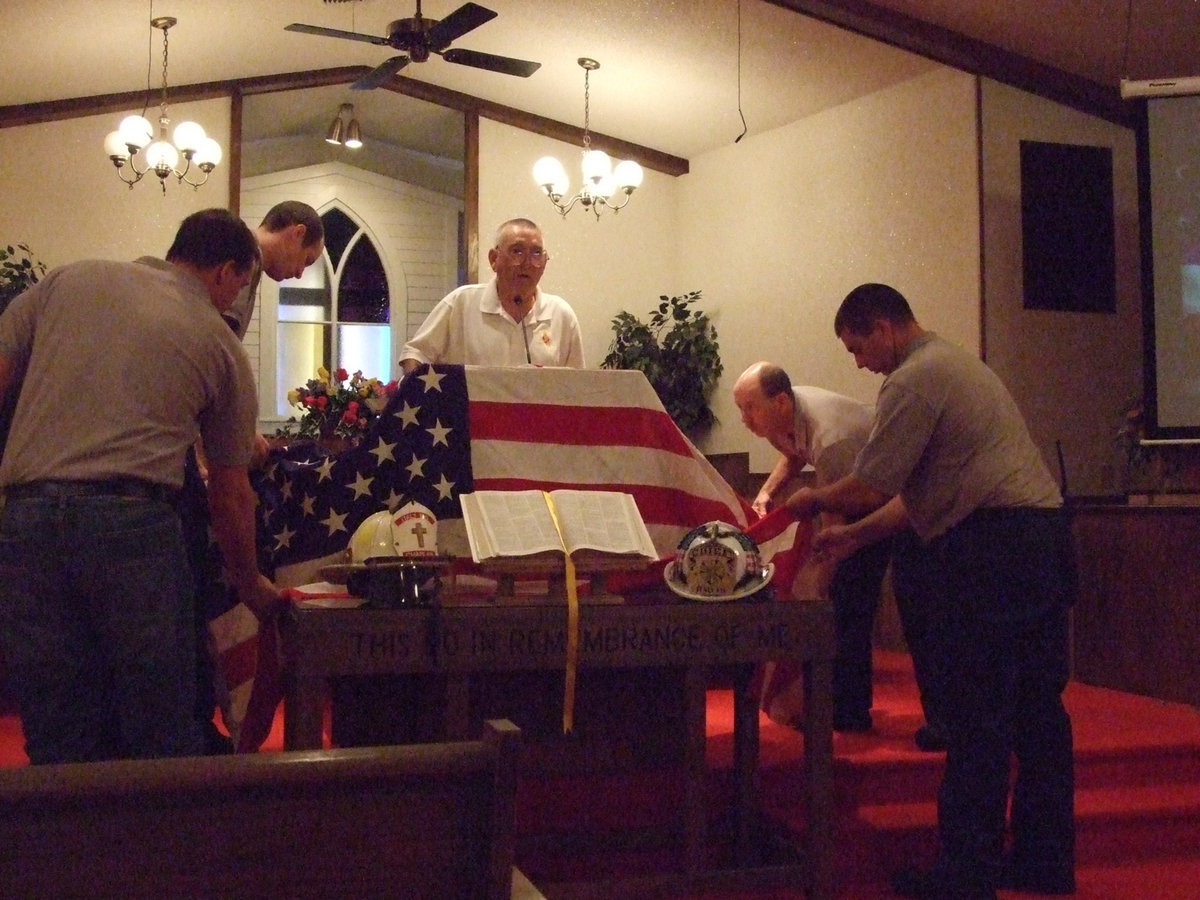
(119, 366)
(950, 454)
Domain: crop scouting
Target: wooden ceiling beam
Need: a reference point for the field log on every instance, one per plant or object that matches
(54, 110)
(970, 55)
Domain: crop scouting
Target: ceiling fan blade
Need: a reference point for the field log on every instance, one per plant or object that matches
(380, 73)
(333, 32)
(505, 65)
(466, 18)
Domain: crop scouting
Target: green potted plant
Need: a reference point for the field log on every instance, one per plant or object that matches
(677, 351)
(19, 269)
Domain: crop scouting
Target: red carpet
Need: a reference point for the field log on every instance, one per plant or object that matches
(1137, 796)
(1137, 803)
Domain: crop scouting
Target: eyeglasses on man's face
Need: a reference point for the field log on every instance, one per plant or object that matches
(535, 256)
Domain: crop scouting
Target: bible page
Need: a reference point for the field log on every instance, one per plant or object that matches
(508, 523)
(602, 520)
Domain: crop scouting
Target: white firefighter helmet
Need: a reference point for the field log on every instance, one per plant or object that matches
(410, 531)
(373, 538)
(717, 561)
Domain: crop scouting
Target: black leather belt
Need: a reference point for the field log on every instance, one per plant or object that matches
(134, 488)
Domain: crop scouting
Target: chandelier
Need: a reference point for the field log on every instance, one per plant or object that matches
(135, 133)
(601, 181)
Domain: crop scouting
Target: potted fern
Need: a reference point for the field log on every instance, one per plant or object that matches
(677, 351)
(19, 270)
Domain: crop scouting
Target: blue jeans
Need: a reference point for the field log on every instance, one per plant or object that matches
(96, 627)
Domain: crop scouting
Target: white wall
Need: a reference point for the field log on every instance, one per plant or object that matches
(779, 227)
(60, 194)
(1071, 373)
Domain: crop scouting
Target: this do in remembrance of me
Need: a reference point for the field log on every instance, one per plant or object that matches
(520, 523)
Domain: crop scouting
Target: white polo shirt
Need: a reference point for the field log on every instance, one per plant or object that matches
(470, 327)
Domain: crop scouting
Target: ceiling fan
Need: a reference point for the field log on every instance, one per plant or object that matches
(418, 37)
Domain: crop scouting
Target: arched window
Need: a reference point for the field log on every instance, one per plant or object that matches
(337, 315)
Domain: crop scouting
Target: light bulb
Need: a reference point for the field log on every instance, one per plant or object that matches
(188, 136)
(605, 187)
(628, 175)
(208, 153)
(596, 166)
(334, 135)
(550, 176)
(114, 146)
(136, 131)
(162, 155)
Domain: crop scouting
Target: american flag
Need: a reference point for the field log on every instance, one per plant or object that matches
(450, 430)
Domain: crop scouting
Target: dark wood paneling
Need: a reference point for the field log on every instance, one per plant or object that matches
(735, 469)
(1137, 620)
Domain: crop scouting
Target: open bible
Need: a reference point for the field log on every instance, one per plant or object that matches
(506, 524)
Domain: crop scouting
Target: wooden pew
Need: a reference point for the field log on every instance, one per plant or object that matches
(414, 821)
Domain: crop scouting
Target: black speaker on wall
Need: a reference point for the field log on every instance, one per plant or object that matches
(1067, 227)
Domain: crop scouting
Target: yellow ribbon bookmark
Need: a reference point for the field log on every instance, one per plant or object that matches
(572, 626)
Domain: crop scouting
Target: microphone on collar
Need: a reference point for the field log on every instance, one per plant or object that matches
(518, 300)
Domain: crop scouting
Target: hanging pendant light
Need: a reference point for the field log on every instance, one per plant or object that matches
(346, 132)
(135, 133)
(601, 180)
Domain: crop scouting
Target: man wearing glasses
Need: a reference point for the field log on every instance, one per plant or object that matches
(507, 321)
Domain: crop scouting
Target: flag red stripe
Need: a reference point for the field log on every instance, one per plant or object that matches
(238, 662)
(771, 525)
(265, 693)
(659, 505)
(604, 426)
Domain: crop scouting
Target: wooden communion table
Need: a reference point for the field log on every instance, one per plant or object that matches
(465, 639)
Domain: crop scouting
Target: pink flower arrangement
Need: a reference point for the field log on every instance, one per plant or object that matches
(339, 405)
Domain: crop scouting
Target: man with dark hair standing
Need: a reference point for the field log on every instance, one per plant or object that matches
(291, 237)
(812, 426)
(951, 455)
(119, 367)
